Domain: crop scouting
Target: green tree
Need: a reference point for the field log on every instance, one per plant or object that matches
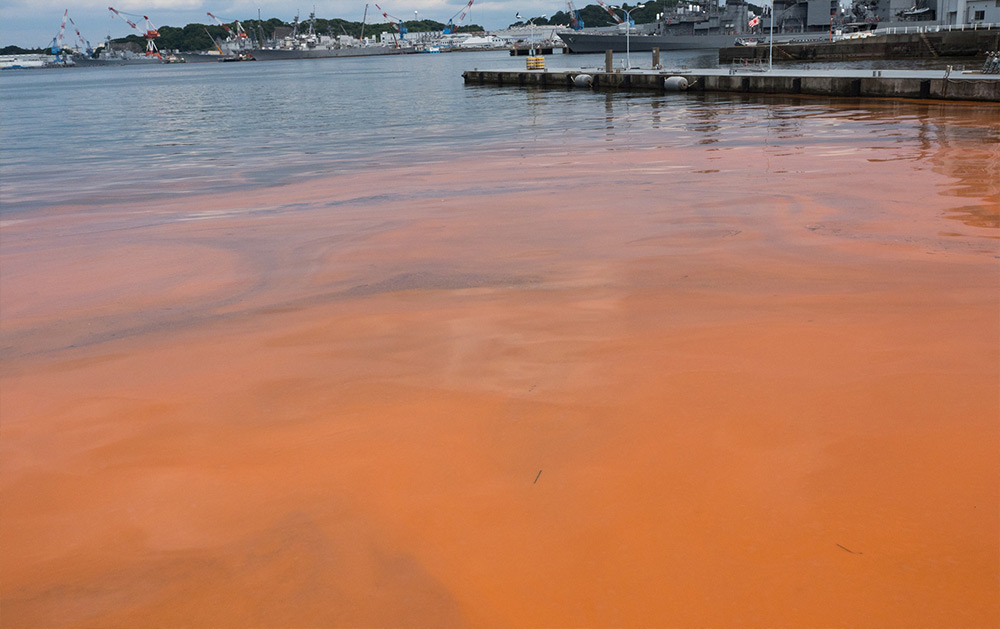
(17, 50)
(594, 15)
(193, 37)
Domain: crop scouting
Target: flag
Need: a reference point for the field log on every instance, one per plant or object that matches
(754, 22)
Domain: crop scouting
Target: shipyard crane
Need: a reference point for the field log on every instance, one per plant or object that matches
(611, 12)
(84, 42)
(214, 43)
(575, 19)
(57, 41)
(450, 28)
(150, 33)
(392, 20)
(225, 27)
(239, 34)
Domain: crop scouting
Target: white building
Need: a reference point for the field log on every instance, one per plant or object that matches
(969, 11)
(476, 42)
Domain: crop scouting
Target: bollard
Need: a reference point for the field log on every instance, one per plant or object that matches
(609, 64)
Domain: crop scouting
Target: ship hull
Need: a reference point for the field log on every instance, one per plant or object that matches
(201, 57)
(87, 62)
(271, 54)
(591, 43)
(581, 43)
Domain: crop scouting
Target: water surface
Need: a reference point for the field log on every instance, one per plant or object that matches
(348, 343)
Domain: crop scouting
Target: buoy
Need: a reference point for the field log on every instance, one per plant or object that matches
(675, 84)
(583, 80)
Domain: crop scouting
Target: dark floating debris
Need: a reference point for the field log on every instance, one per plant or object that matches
(844, 547)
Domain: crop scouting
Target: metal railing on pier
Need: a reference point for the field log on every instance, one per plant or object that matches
(935, 28)
(747, 64)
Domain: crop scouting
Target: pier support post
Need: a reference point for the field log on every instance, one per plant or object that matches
(656, 58)
(609, 64)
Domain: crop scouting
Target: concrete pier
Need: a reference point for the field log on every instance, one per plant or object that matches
(935, 85)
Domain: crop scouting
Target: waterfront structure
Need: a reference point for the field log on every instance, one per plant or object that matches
(810, 15)
(968, 11)
(900, 84)
(712, 26)
(21, 61)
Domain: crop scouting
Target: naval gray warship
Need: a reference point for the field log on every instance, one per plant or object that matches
(691, 26)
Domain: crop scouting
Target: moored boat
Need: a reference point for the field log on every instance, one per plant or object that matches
(309, 45)
(699, 25)
(110, 56)
(323, 52)
(23, 61)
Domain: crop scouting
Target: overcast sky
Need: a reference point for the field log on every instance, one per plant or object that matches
(33, 23)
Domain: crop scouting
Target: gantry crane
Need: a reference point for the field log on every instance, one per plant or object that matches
(610, 12)
(450, 28)
(240, 35)
(57, 41)
(150, 33)
(575, 19)
(394, 23)
(84, 42)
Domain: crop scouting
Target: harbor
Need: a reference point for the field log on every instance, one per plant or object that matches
(627, 339)
(469, 363)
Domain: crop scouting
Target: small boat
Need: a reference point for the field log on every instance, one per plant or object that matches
(243, 56)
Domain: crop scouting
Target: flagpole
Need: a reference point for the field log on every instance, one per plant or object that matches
(770, 41)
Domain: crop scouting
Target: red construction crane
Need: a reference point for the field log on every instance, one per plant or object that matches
(150, 33)
(450, 27)
(392, 22)
(62, 27)
(610, 12)
(80, 38)
(239, 34)
(57, 41)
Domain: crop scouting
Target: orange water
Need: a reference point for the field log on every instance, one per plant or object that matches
(650, 388)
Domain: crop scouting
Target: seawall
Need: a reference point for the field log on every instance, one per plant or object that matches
(856, 84)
